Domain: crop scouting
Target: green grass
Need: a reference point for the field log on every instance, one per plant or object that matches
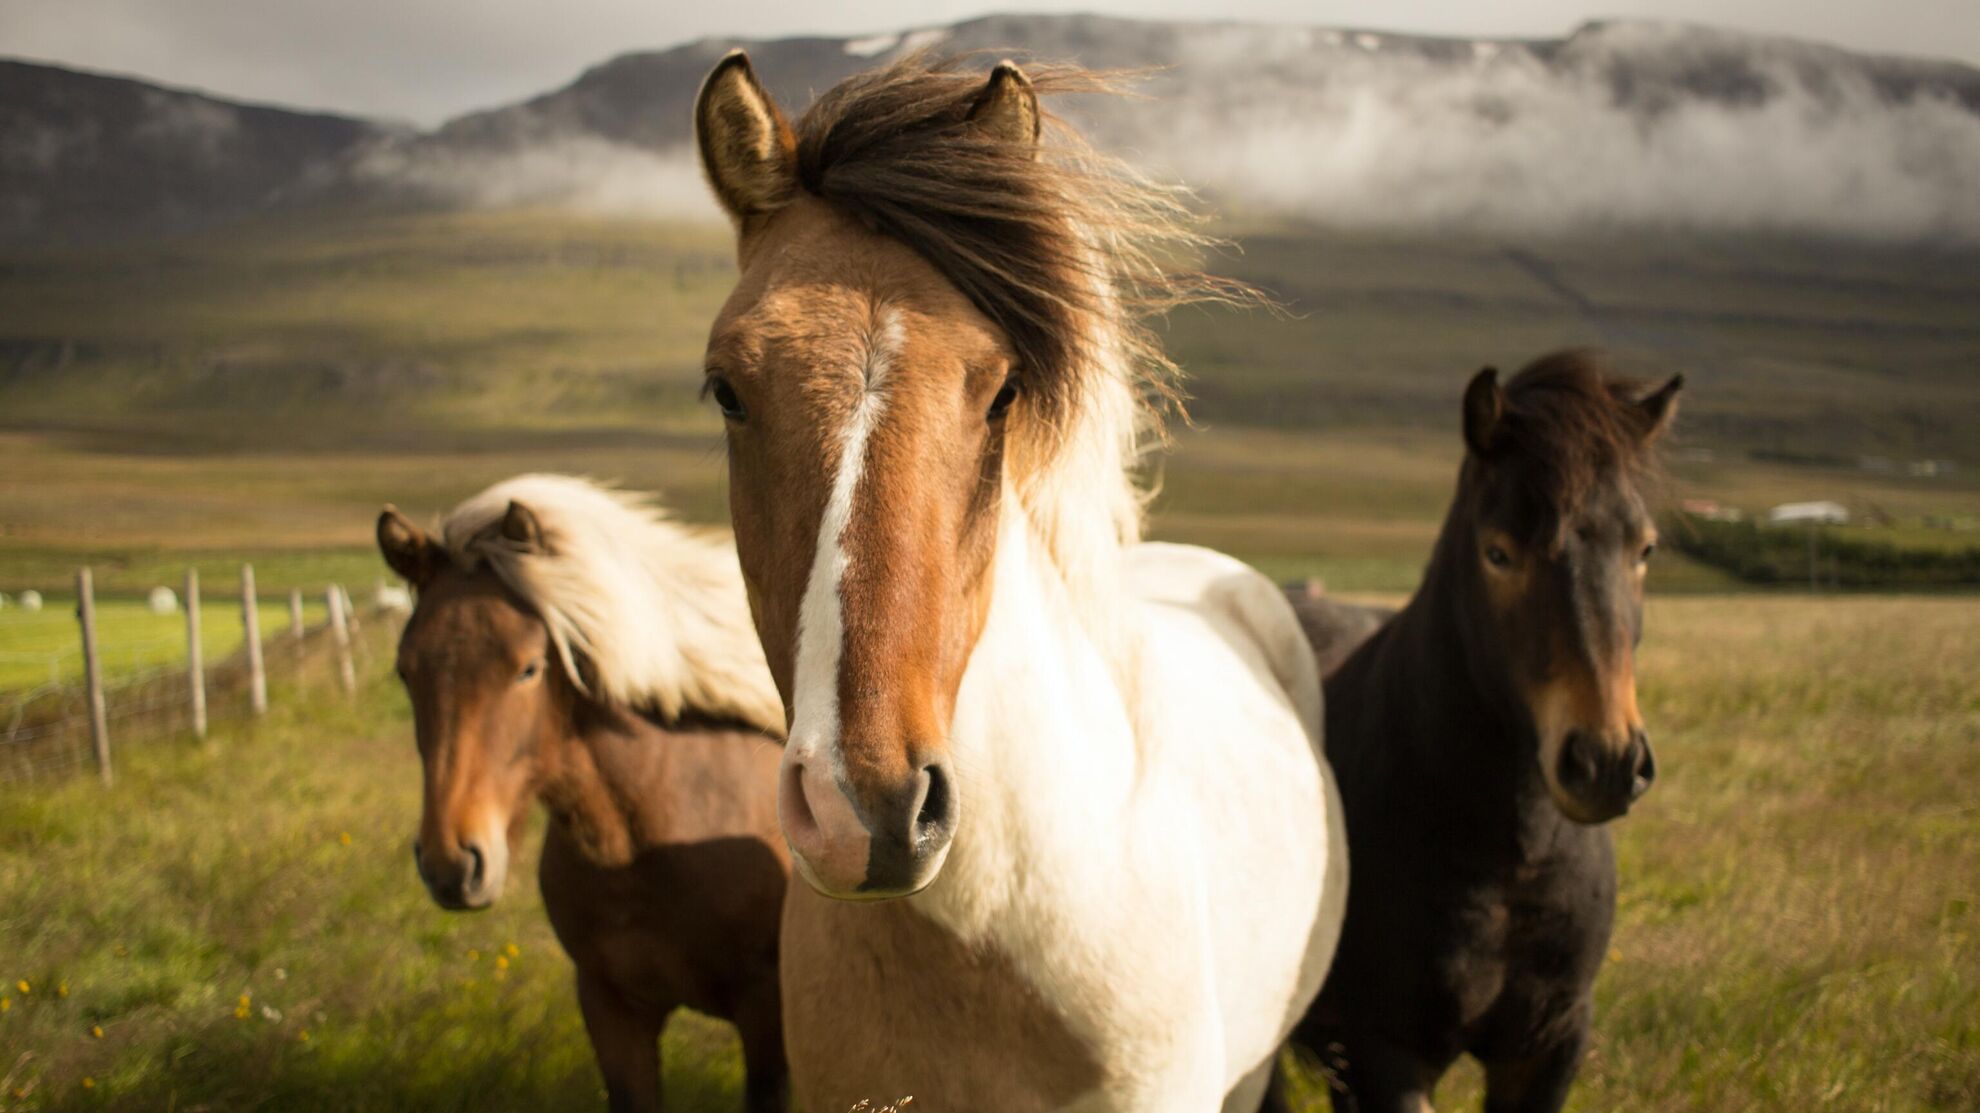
(46, 646)
(1796, 926)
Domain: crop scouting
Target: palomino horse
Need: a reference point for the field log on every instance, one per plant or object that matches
(572, 647)
(1481, 738)
(1058, 796)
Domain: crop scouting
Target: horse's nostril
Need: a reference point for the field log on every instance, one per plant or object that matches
(1576, 768)
(1646, 767)
(937, 812)
(477, 865)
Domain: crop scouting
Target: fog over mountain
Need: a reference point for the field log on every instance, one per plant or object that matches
(1619, 124)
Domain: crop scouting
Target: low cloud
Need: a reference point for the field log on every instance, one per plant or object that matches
(582, 173)
(1507, 143)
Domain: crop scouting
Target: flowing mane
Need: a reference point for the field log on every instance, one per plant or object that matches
(654, 611)
(1068, 252)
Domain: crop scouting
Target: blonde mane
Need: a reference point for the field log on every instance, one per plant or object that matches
(655, 611)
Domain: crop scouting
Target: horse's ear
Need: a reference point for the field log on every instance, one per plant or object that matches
(1007, 108)
(1484, 410)
(1661, 407)
(521, 529)
(406, 548)
(747, 148)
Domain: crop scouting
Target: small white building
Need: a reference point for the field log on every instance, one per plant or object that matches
(1821, 513)
(30, 600)
(163, 600)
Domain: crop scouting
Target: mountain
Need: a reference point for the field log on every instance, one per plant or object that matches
(1620, 124)
(84, 156)
(1623, 122)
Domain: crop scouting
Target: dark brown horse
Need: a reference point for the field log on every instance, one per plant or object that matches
(1481, 738)
(570, 647)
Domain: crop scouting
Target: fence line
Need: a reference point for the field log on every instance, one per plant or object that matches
(43, 728)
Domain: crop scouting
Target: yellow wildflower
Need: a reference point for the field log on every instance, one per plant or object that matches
(62, 990)
(23, 986)
(96, 1031)
(514, 951)
(474, 955)
(89, 1083)
(6, 1003)
(303, 1035)
(344, 837)
(501, 962)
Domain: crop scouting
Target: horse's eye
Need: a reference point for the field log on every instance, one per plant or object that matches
(1001, 404)
(1649, 551)
(724, 394)
(1498, 557)
(530, 671)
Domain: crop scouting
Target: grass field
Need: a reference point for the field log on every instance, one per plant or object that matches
(1797, 924)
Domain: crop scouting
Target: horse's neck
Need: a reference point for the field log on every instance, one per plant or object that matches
(1445, 722)
(1043, 736)
(607, 788)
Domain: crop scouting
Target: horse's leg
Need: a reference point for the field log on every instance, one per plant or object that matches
(1538, 1083)
(766, 1074)
(1373, 1076)
(626, 1042)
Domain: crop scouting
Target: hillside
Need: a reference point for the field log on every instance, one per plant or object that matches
(89, 157)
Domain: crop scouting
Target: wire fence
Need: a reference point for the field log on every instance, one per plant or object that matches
(46, 730)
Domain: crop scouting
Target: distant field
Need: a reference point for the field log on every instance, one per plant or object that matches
(257, 394)
(45, 647)
(1799, 904)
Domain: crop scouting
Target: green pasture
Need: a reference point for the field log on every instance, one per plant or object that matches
(237, 925)
(46, 646)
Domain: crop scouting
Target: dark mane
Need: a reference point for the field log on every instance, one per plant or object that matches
(1053, 248)
(1573, 424)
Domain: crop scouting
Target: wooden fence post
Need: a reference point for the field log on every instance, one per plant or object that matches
(251, 623)
(195, 656)
(340, 632)
(99, 725)
(295, 615)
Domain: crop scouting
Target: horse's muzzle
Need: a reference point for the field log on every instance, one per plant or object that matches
(1597, 780)
(892, 847)
(464, 879)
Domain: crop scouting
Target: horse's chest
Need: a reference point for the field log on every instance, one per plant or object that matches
(663, 936)
(881, 1004)
(1522, 952)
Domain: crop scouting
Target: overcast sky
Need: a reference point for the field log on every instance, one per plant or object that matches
(426, 60)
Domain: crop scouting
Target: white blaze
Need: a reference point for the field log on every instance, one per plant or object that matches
(821, 626)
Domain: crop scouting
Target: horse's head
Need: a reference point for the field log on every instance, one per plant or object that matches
(1554, 534)
(868, 404)
(486, 694)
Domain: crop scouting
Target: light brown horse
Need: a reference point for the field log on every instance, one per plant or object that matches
(569, 646)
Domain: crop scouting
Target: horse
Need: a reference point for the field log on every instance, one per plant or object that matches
(571, 645)
(1482, 737)
(1057, 795)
